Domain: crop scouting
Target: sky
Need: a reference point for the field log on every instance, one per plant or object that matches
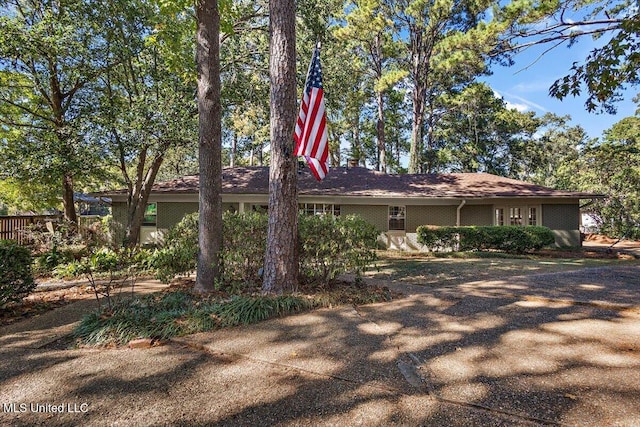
(525, 86)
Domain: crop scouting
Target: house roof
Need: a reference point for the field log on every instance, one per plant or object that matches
(361, 182)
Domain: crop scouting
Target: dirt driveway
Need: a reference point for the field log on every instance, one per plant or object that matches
(559, 348)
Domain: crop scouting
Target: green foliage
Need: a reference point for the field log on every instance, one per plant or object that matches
(16, 280)
(179, 255)
(330, 246)
(178, 313)
(108, 270)
(606, 70)
(512, 239)
(612, 168)
(244, 243)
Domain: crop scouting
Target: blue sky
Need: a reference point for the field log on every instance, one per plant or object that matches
(525, 86)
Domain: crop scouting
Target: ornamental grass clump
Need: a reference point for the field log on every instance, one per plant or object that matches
(175, 313)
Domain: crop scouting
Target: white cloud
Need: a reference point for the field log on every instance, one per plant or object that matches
(517, 102)
(514, 106)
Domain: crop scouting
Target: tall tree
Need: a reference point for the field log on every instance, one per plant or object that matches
(612, 168)
(370, 33)
(551, 158)
(147, 109)
(210, 144)
(426, 25)
(281, 259)
(52, 52)
(479, 134)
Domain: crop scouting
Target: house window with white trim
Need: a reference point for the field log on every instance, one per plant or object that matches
(515, 216)
(397, 215)
(499, 216)
(533, 215)
(320, 209)
(519, 215)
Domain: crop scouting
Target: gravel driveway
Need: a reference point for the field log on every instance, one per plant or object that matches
(537, 350)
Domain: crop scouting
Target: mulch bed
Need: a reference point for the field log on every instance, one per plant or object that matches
(41, 302)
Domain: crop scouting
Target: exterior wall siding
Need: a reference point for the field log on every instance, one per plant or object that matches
(561, 217)
(376, 215)
(564, 221)
(476, 215)
(169, 214)
(429, 215)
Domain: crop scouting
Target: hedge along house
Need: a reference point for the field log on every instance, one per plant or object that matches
(395, 204)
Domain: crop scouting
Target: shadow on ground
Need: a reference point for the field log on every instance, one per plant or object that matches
(500, 353)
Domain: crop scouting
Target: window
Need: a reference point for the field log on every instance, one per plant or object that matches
(397, 216)
(320, 209)
(517, 215)
(151, 215)
(260, 208)
(533, 216)
(499, 216)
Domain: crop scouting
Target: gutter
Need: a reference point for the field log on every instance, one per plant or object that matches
(464, 201)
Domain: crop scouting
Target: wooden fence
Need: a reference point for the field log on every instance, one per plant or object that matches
(12, 227)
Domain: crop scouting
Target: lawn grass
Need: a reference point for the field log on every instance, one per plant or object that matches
(455, 268)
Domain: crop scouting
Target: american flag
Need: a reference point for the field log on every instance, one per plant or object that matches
(311, 130)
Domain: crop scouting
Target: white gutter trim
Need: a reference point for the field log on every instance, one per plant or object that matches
(464, 201)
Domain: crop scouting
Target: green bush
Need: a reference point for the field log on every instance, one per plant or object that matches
(330, 246)
(179, 313)
(245, 237)
(512, 239)
(244, 243)
(179, 255)
(16, 278)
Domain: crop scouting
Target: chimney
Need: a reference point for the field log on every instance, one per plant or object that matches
(352, 163)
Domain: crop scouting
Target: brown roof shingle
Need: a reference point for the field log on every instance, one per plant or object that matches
(342, 181)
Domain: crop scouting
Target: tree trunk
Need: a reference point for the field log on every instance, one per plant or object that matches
(138, 199)
(416, 131)
(234, 150)
(281, 258)
(67, 199)
(356, 146)
(210, 144)
(382, 148)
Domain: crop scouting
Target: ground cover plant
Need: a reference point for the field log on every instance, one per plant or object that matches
(179, 311)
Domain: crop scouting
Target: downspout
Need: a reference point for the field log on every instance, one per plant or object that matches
(458, 212)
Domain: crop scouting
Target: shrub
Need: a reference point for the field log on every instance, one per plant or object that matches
(512, 239)
(245, 237)
(16, 279)
(244, 243)
(108, 270)
(330, 246)
(179, 313)
(179, 255)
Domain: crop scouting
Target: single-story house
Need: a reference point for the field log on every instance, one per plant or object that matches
(395, 204)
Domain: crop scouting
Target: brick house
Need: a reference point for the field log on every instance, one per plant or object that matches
(395, 204)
